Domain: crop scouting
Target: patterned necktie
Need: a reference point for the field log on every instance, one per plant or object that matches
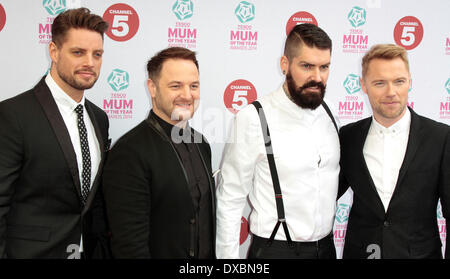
(86, 173)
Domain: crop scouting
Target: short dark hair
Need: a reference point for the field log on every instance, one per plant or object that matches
(308, 34)
(154, 65)
(80, 18)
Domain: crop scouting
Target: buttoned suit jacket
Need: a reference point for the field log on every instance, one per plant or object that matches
(408, 228)
(41, 214)
(148, 201)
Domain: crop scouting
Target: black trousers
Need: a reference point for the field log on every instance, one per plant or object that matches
(322, 249)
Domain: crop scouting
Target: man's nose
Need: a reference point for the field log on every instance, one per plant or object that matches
(390, 89)
(88, 61)
(186, 92)
(315, 75)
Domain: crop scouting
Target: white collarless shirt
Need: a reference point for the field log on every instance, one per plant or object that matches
(66, 107)
(384, 151)
(306, 151)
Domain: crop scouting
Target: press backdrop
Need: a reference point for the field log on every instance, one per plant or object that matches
(239, 46)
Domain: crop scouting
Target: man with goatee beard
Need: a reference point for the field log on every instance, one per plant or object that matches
(53, 143)
(290, 174)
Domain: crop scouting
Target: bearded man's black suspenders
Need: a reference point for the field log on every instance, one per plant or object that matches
(274, 173)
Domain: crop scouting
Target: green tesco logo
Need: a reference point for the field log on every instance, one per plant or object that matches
(447, 86)
(183, 9)
(118, 80)
(245, 11)
(342, 213)
(352, 84)
(54, 7)
(357, 16)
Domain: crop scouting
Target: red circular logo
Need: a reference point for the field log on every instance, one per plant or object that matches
(298, 18)
(244, 231)
(123, 22)
(2, 17)
(408, 32)
(239, 94)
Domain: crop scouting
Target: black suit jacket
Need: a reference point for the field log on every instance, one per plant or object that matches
(148, 202)
(41, 215)
(408, 229)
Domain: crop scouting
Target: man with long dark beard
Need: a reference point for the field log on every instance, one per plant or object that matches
(298, 161)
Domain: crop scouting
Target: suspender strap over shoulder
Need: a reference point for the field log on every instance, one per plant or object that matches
(274, 174)
(327, 109)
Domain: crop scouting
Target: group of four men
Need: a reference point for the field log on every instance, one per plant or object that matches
(64, 195)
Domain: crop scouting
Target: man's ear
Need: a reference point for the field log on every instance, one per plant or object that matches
(53, 51)
(151, 85)
(284, 64)
(363, 85)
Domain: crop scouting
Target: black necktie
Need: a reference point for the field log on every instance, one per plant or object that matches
(86, 172)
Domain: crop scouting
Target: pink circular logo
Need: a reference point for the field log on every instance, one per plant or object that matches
(298, 18)
(2, 17)
(408, 32)
(123, 22)
(239, 94)
(244, 231)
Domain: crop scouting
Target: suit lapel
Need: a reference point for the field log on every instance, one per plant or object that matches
(45, 98)
(414, 139)
(363, 131)
(153, 123)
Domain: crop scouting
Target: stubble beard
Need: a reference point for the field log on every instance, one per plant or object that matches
(72, 81)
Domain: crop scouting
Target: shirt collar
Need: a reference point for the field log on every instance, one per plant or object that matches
(167, 127)
(401, 126)
(63, 100)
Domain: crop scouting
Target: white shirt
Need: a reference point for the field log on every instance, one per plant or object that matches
(384, 151)
(66, 107)
(306, 151)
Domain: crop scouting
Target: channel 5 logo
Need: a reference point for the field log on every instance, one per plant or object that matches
(2, 17)
(123, 21)
(408, 32)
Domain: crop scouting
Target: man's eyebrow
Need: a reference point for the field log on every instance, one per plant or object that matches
(83, 49)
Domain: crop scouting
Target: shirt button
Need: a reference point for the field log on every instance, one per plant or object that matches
(192, 221)
(191, 253)
(386, 224)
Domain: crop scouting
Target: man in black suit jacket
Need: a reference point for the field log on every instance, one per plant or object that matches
(398, 166)
(158, 185)
(46, 209)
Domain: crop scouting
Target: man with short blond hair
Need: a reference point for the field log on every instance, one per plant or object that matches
(398, 166)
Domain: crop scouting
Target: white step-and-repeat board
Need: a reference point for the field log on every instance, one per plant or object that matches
(239, 45)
